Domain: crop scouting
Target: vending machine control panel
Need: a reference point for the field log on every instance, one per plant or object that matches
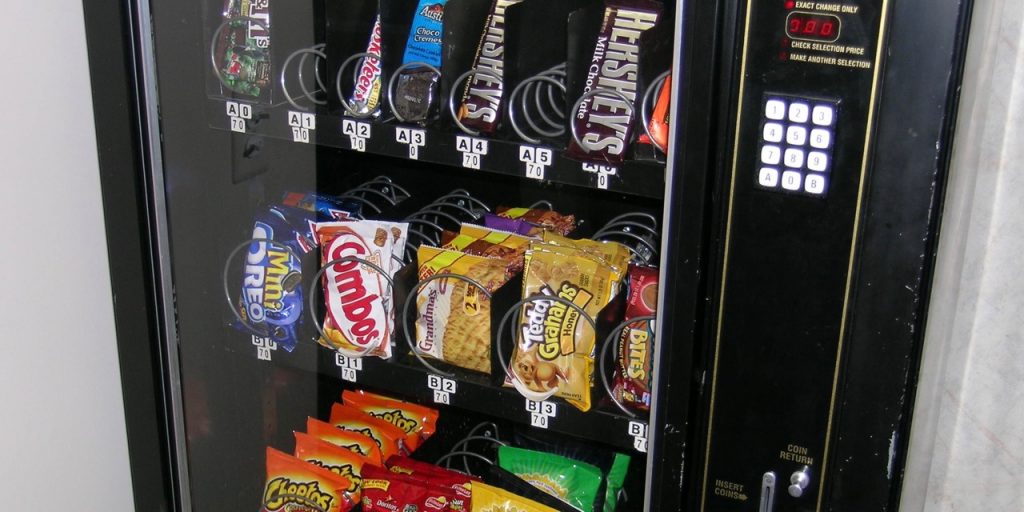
(800, 164)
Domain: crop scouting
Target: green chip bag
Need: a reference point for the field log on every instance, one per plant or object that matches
(574, 482)
(616, 478)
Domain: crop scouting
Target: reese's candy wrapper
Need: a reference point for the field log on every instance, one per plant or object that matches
(297, 486)
(480, 241)
(488, 498)
(333, 458)
(418, 422)
(636, 343)
(454, 321)
(574, 482)
(386, 491)
(416, 87)
(243, 49)
(389, 438)
(545, 219)
(604, 123)
(554, 352)
(459, 483)
(366, 95)
(658, 125)
(271, 298)
(481, 99)
(359, 310)
(509, 481)
(353, 441)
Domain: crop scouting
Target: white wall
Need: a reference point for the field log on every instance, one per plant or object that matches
(967, 443)
(62, 432)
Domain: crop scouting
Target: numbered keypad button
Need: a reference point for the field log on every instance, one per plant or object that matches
(773, 132)
(817, 161)
(815, 184)
(775, 109)
(791, 180)
(794, 158)
(823, 115)
(799, 112)
(768, 177)
(796, 136)
(771, 155)
(821, 138)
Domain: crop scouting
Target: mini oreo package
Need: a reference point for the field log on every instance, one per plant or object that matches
(297, 486)
(353, 441)
(418, 422)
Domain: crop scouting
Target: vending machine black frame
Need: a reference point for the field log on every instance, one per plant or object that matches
(915, 125)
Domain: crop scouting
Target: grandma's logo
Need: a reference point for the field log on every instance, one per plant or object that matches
(282, 491)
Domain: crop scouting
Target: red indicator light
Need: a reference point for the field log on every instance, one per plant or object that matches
(790, 4)
(783, 56)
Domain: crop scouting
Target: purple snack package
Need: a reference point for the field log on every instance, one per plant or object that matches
(517, 226)
(604, 122)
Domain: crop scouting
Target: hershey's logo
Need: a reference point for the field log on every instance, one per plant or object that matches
(490, 57)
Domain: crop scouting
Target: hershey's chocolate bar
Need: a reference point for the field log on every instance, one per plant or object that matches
(481, 98)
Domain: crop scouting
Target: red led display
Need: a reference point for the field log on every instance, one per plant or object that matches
(817, 27)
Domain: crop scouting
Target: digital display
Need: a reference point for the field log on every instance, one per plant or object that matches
(816, 27)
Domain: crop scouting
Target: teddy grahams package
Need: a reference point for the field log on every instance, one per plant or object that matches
(554, 352)
(454, 316)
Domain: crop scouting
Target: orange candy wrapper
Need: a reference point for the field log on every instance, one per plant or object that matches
(418, 422)
(389, 438)
(333, 458)
(352, 441)
(297, 486)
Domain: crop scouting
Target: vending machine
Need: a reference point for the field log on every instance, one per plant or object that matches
(517, 255)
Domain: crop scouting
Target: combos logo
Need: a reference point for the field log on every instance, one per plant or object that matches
(396, 418)
(353, 294)
(433, 11)
(282, 491)
(552, 324)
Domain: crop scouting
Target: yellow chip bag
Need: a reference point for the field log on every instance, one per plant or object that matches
(554, 352)
(487, 498)
(454, 320)
(614, 254)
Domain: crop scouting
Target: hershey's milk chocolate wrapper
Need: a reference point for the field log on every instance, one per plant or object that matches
(481, 99)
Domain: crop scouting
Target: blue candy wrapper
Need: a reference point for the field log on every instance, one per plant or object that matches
(424, 44)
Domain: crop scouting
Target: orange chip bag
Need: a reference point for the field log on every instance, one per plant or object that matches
(297, 486)
(352, 441)
(333, 458)
(418, 422)
(487, 498)
(389, 438)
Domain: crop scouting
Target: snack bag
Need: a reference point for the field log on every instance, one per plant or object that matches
(242, 54)
(352, 441)
(454, 321)
(554, 352)
(325, 207)
(333, 458)
(509, 481)
(544, 219)
(389, 438)
(418, 422)
(613, 254)
(416, 87)
(576, 483)
(386, 491)
(487, 498)
(359, 318)
(459, 483)
(480, 241)
(297, 486)
(632, 385)
(660, 117)
(605, 122)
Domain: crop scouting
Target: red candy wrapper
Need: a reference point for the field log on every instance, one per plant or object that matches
(385, 491)
(636, 343)
(460, 484)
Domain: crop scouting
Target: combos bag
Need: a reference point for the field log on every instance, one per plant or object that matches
(242, 51)
(418, 422)
(352, 441)
(297, 486)
(335, 459)
(492, 499)
(386, 491)
(389, 438)
(360, 312)
(602, 122)
(576, 483)
(636, 343)
(454, 320)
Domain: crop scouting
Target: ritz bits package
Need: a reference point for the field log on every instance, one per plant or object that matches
(554, 352)
(389, 438)
(454, 320)
(333, 458)
(360, 311)
(386, 491)
(492, 243)
(636, 343)
(297, 486)
(418, 422)
(530, 221)
(460, 483)
(346, 439)
(492, 499)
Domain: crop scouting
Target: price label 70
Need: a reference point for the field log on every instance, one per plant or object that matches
(350, 367)
(540, 412)
(443, 388)
(638, 431)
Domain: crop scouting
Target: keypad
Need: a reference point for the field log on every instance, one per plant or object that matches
(797, 137)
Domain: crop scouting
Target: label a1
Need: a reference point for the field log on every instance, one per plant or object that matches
(301, 124)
